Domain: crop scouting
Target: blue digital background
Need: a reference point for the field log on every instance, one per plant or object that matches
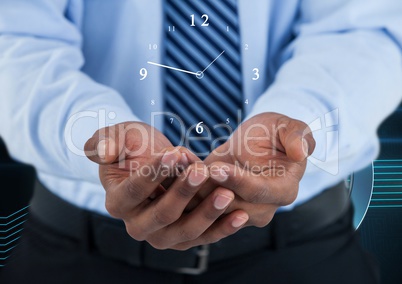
(376, 193)
(381, 229)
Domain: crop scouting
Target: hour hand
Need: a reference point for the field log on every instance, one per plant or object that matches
(173, 68)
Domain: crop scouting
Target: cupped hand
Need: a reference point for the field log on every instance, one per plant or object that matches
(149, 184)
(263, 163)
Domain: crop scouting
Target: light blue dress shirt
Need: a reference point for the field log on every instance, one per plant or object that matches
(69, 67)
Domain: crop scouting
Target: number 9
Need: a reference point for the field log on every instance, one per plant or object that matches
(143, 73)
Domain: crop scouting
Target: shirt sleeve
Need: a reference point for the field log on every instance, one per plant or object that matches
(341, 75)
(49, 108)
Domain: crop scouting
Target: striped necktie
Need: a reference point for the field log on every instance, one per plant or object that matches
(205, 95)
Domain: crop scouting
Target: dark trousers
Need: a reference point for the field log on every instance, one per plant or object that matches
(332, 255)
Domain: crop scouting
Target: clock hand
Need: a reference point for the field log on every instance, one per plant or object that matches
(212, 62)
(173, 68)
(198, 74)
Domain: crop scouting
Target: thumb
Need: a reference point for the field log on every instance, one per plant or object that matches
(296, 138)
(103, 147)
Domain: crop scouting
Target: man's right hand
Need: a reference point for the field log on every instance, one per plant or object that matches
(138, 169)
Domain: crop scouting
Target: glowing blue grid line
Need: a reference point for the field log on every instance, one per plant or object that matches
(14, 220)
(393, 170)
(388, 179)
(4, 251)
(5, 231)
(385, 206)
(388, 186)
(387, 192)
(16, 232)
(14, 213)
(386, 199)
(387, 167)
(3, 245)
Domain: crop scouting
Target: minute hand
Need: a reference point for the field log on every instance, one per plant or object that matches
(213, 61)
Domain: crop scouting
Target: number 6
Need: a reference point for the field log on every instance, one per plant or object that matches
(199, 129)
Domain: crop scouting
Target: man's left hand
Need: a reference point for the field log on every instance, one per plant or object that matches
(263, 163)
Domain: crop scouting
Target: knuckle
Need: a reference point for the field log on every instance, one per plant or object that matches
(188, 235)
(112, 208)
(289, 199)
(185, 192)
(135, 232)
(259, 196)
(236, 182)
(261, 222)
(289, 196)
(215, 235)
(159, 245)
(160, 241)
(214, 238)
(283, 123)
(211, 215)
(162, 218)
(183, 247)
(290, 123)
(135, 192)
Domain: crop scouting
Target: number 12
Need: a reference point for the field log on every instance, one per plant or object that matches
(204, 24)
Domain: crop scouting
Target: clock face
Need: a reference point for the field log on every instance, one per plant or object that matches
(201, 67)
(183, 23)
(201, 43)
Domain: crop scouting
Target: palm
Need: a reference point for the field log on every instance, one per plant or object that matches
(136, 145)
(258, 147)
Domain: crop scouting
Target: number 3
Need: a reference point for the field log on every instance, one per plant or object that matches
(256, 74)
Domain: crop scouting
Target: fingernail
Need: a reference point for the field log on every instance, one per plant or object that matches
(101, 149)
(220, 175)
(184, 160)
(169, 159)
(239, 221)
(153, 195)
(305, 147)
(195, 178)
(222, 201)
